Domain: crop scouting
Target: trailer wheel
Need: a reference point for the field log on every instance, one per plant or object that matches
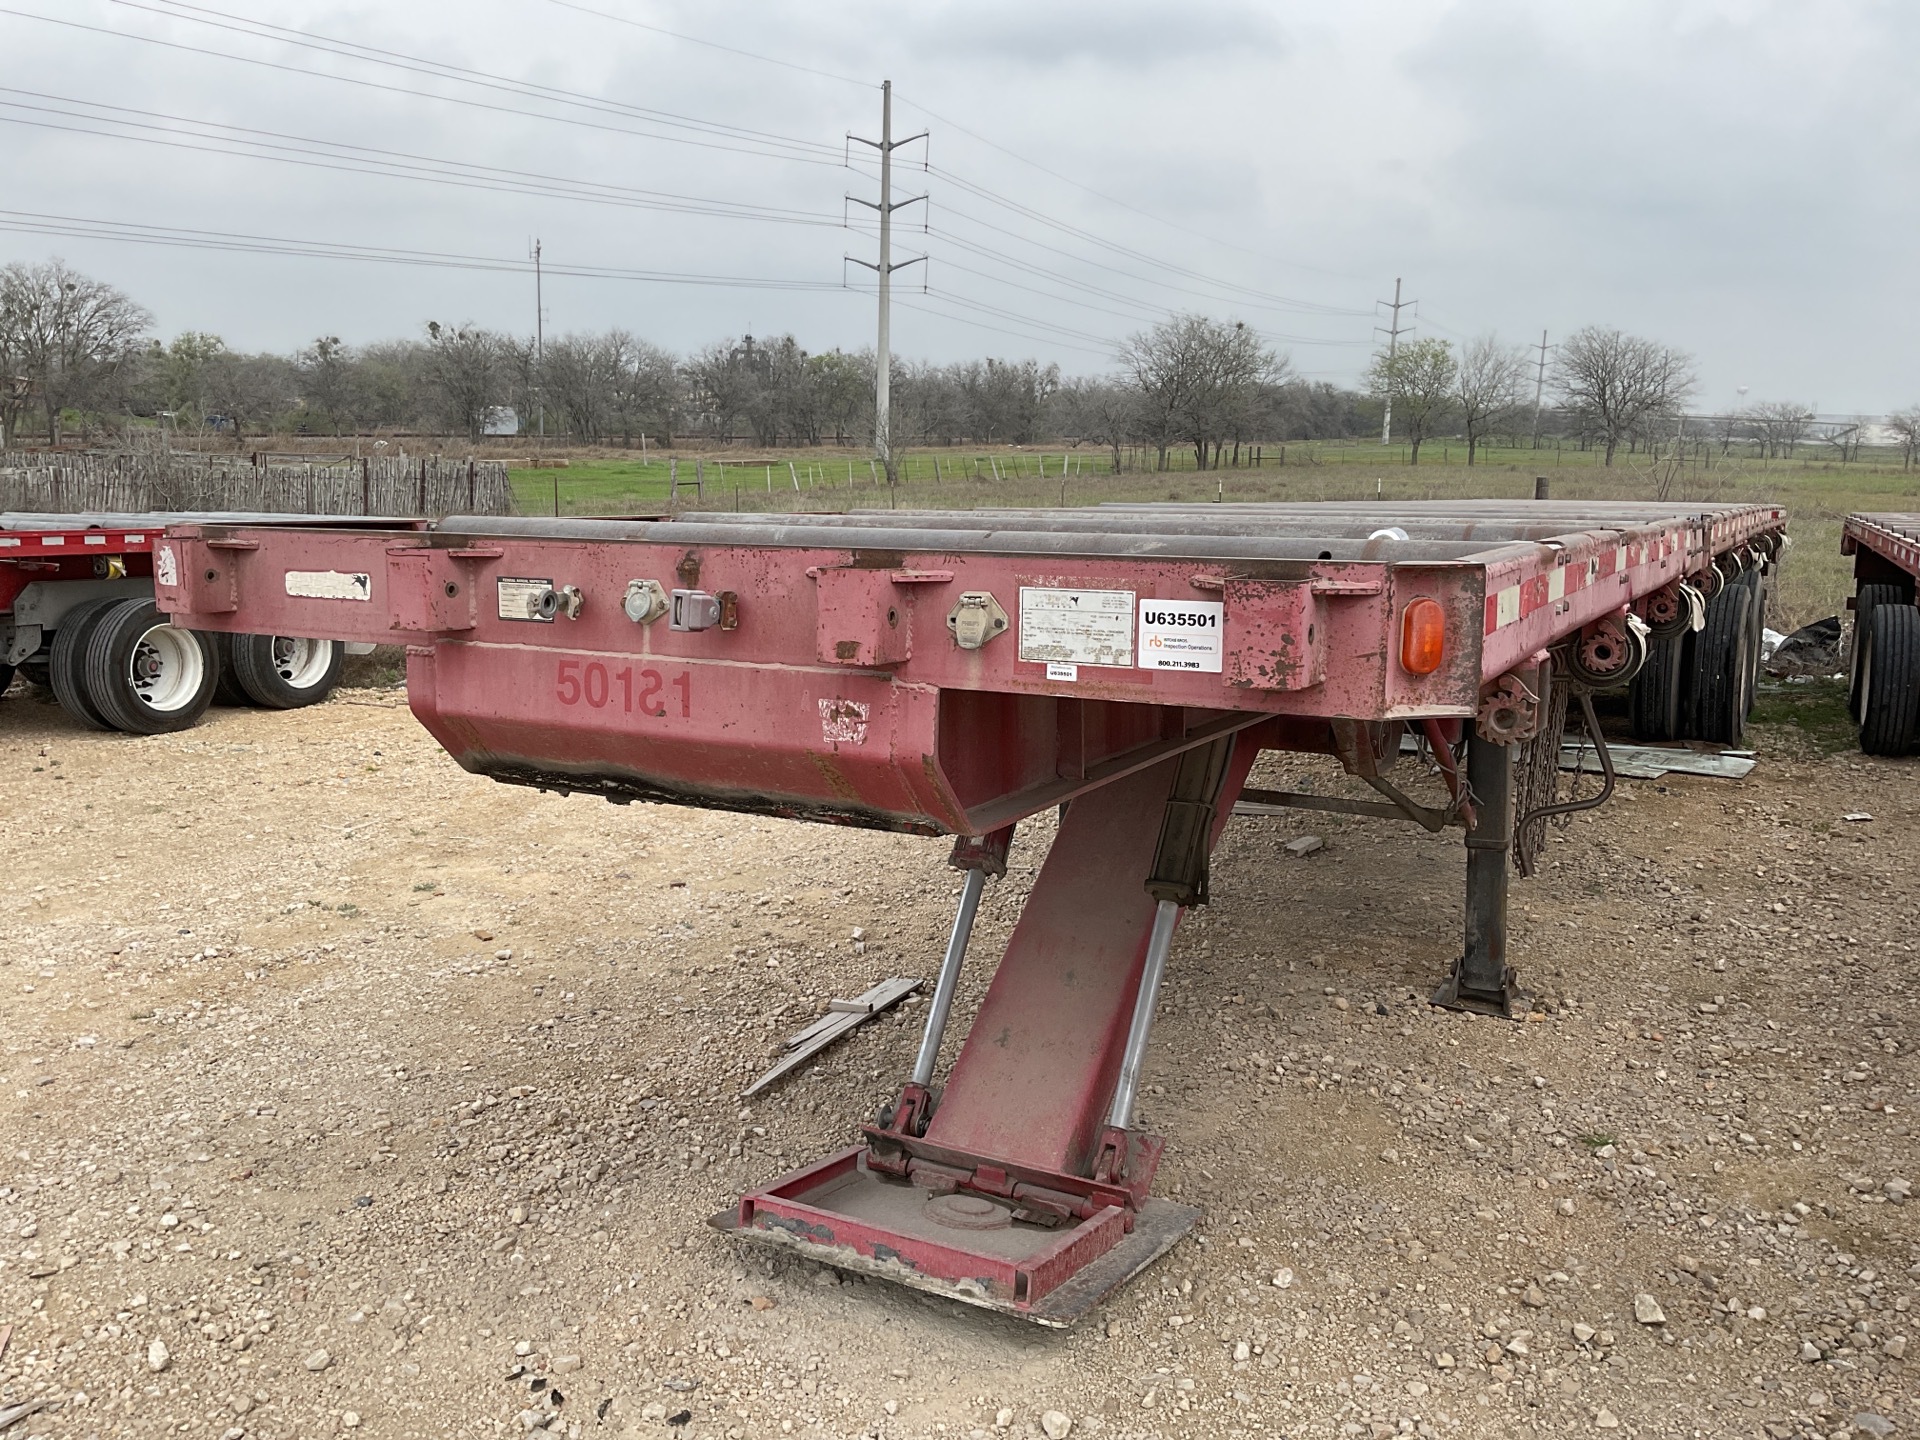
(148, 676)
(283, 672)
(226, 689)
(6, 679)
(1864, 601)
(1654, 700)
(1723, 662)
(1890, 680)
(67, 663)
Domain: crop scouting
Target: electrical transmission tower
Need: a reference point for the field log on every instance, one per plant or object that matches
(1393, 334)
(886, 145)
(1539, 388)
(539, 341)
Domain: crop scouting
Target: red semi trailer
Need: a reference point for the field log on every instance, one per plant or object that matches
(1885, 688)
(77, 615)
(958, 672)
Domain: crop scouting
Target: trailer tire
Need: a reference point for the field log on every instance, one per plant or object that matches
(1654, 699)
(67, 662)
(283, 673)
(6, 679)
(1864, 601)
(150, 677)
(1722, 669)
(226, 690)
(1890, 681)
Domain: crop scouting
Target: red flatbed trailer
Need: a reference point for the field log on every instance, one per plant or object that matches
(89, 573)
(956, 672)
(1885, 689)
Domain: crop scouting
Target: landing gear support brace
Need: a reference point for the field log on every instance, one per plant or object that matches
(1021, 1185)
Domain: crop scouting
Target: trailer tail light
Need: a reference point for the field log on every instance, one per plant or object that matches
(1423, 637)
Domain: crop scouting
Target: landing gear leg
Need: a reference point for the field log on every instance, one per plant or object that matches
(1481, 980)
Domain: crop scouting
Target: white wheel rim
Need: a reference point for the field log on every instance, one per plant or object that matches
(166, 669)
(303, 664)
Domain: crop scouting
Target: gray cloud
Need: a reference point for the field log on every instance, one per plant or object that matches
(1730, 175)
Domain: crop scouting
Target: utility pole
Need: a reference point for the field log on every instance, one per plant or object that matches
(1393, 345)
(883, 360)
(1539, 388)
(539, 343)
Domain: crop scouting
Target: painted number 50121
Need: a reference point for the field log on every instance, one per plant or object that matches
(644, 692)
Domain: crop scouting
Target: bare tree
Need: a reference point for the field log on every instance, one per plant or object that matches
(1780, 425)
(1489, 387)
(1197, 380)
(1614, 383)
(1103, 412)
(73, 340)
(1419, 377)
(248, 391)
(1905, 425)
(327, 374)
(464, 365)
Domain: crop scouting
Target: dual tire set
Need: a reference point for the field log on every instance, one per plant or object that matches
(1884, 693)
(1700, 685)
(119, 664)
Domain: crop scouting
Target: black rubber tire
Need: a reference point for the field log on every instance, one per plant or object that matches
(1654, 700)
(67, 662)
(1715, 708)
(131, 628)
(226, 690)
(1864, 599)
(1890, 688)
(261, 666)
(6, 679)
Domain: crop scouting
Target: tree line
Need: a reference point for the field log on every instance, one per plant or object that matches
(76, 353)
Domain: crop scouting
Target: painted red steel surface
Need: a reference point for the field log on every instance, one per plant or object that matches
(838, 693)
(28, 556)
(841, 695)
(1032, 1082)
(1894, 538)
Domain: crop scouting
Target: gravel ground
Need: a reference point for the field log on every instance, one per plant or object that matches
(346, 1093)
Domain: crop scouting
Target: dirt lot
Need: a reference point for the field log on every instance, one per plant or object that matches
(346, 1093)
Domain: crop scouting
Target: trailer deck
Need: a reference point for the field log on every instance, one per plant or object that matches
(1885, 650)
(945, 672)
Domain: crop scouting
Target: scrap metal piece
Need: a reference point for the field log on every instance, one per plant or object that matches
(836, 1022)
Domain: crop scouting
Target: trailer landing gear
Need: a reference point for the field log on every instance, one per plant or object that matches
(1481, 980)
(1022, 1186)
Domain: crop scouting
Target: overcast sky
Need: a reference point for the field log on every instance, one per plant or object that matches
(1730, 176)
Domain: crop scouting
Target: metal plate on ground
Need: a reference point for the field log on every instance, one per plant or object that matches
(1156, 1229)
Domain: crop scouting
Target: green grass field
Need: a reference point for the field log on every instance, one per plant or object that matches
(1815, 578)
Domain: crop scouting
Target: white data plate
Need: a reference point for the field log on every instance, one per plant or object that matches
(520, 598)
(1076, 627)
(1183, 635)
(329, 585)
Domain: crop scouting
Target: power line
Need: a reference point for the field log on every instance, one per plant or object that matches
(366, 160)
(831, 158)
(28, 222)
(1028, 212)
(440, 69)
(710, 44)
(1110, 199)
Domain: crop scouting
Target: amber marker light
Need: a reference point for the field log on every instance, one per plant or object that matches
(1423, 636)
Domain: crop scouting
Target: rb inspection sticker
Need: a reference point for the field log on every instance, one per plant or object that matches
(1182, 635)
